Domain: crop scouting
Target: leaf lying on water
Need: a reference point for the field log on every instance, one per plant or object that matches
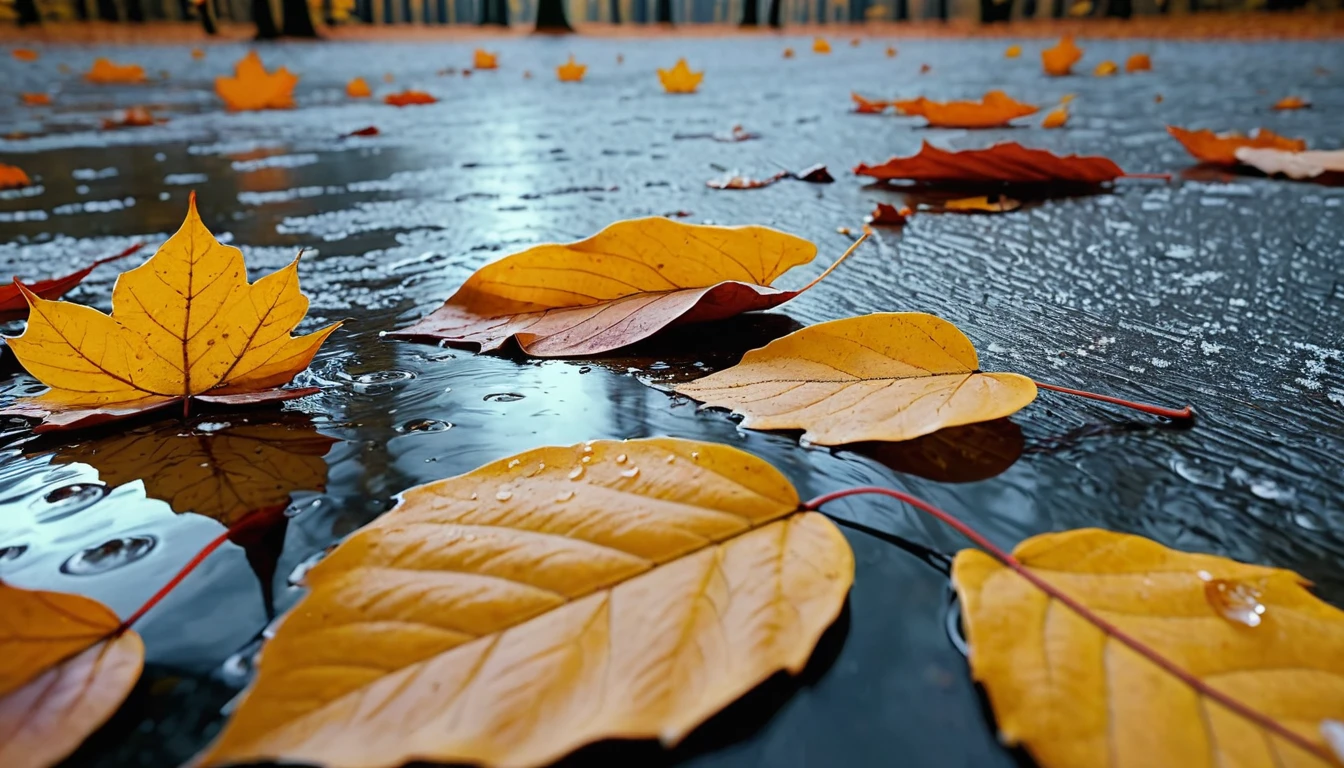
(680, 78)
(1139, 62)
(35, 99)
(1074, 695)
(106, 72)
(1106, 69)
(483, 59)
(869, 106)
(13, 305)
(1009, 162)
(889, 376)
(13, 177)
(63, 672)
(358, 88)
(1221, 148)
(185, 325)
(1294, 165)
(571, 71)
(542, 602)
(408, 98)
(25, 54)
(1291, 102)
(623, 284)
(994, 110)
(1056, 118)
(253, 88)
(132, 117)
(889, 216)
(1059, 60)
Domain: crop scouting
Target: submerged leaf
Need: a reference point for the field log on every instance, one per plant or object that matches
(1002, 163)
(64, 669)
(994, 110)
(1221, 148)
(1072, 694)
(542, 602)
(888, 376)
(185, 325)
(1059, 60)
(253, 88)
(680, 78)
(619, 286)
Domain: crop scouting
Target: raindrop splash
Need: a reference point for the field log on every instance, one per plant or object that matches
(502, 397)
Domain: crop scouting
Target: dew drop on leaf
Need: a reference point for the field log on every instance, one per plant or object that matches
(576, 473)
(564, 496)
(631, 472)
(621, 459)
(1236, 601)
(504, 494)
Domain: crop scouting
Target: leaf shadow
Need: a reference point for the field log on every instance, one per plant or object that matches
(964, 454)
(1223, 174)
(933, 197)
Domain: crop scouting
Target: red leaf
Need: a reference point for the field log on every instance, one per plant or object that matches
(372, 130)
(1006, 163)
(14, 306)
(888, 216)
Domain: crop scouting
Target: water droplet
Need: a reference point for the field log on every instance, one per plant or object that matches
(631, 472)
(576, 473)
(12, 552)
(69, 499)
(109, 555)
(670, 458)
(541, 465)
(474, 497)
(502, 397)
(376, 382)
(621, 458)
(425, 425)
(564, 496)
(695, 455)
(588, 447)
(1234, 600)
(586, 459)
(504, 494)
(515, 463)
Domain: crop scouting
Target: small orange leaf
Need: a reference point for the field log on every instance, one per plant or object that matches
(134, 117)
(995, 109)
(1056, 118)
(1012, 52)
(885, 215)
(820, 45)
(253, 88)
(1209, 147)
(1291, 102)
(891, 51)
(1106, 69)
(570, 71)
(1009, 162)
(197, 53)
(854, 42)
(788, 53)
(25, 54)
(12, 177)
(408, 97)
(357, 88)
(982, 204)
(1139, 62)
(36, 99)
(680, 78)
(1059, 60)
(868, 106)
(483, 59)
(105, 71)
(924, 69)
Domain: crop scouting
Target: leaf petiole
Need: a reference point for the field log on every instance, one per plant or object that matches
(837, 263)
(1185, 414)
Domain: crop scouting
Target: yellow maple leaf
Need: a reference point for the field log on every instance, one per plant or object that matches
(1250, 664)
(253, 88)
(185, 325)
(106, 71)
(1059, 59)
(65, 667)
(483, 59)
(570, 72)
(510, 615)
(888, 376)
(680, 78)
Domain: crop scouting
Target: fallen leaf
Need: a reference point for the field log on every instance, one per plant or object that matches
(1157, 99)
(982, 204)
(185, 326)
(1106, 69)
(736, 181)
(133, 117)
(617, 287)
(868, 106)
(680, 78)
(1059, 60)
(1291, 102)
(64, 669)
(13, 177)
(36, 99)
(570, 72)
(788, 53)
(924, 69)
(1294, 165)
(25, 54)
(253, 88)
(1012, 52)
(542, 602)
(1139, 62)
(816, 174)
(994, 109)
(854, 42)
(105, 71)
(357, 88)
(527, 74)
(889, 376)
(1067, 98)
(408, 98)
(483, 59)
(620, 58)
(891, 52)
(1056, 118)
(197, 53)
(1003, 163)
(371, 130)
(885, 215)
(1074, 693)
(14, 306)
(1221, 148)
(820, 45)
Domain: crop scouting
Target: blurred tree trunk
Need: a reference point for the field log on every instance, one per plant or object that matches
(551, 17)
(1122, 9)
(857, 10)
(615, 11)
(751, 13)
(494, 12)
(135, 12)
(772, 18)
(27, 10)
(1057, 9)
(265, 20)
(662, 12)
(639, 12)
(992, 11)
(107, 11)
(902, 10)
(297, 19)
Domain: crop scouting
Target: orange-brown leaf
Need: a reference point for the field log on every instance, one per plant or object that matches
(134, 117)
(868, 106)
(13, 305)
(1056, 118)
(36, 99)
(357, 88)
(1012, 52)
(885, 215)
(995, 109)
(1291, 102)
(483, 59)
(1139, 62)
(105, 71)
(1221, 148)
(1106, 69)
(253, 88)
(64, 669)
(1059, 60)
(12, 176)
(25, 54)
(408, 98)
(1005, 163)
(982, 204)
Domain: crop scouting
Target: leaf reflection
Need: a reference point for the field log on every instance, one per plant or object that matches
(964, 454)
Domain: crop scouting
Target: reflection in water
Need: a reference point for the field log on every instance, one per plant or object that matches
(70, 499)
(964, 454)
(109, 555)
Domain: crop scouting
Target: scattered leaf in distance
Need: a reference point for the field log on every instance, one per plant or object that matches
(868, 106)
(788, 53)
(131, 117)
(1081, 8)
(388, 77)
(253, 88)
(733, 180)
(982, 204)
(483, 59)
(1157, 99)
(548, 600)
(885, 215)
(408, 98)
(1139, 62)
(1291, 102)
(1059, 60)
(924, 69)
(1221, 148)
(1012, 52)
(106, 72)
(1056, 118)
(1002, 163)
(854, 42)
(570, 71)
(891, 51)
(1294, 165)
(888, 376)
(197, 54)
(680, 78)
(13, 305)
(371, 130)
(13, 177)
(25, 54)
(357, 88)
(1106, 69)
(36, 99)
(820, 45)
(995, 109)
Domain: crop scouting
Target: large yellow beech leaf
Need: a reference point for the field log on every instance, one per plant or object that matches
(64, 669)
(889, 376)
(185, 325)
(619, 286)
(564, 595)
(1076, 696)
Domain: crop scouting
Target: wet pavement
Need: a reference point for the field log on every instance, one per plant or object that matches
(1219, 290)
